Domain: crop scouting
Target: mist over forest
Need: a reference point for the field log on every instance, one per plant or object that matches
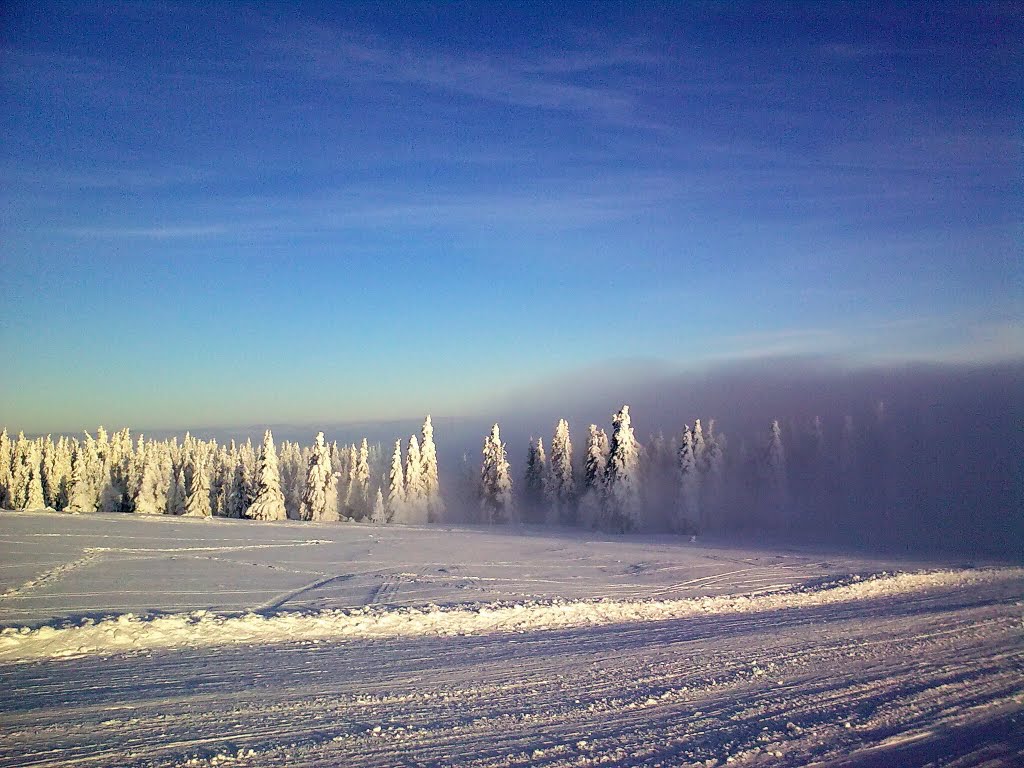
(916, 458)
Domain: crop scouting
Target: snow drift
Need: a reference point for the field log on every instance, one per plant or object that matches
(130, 633)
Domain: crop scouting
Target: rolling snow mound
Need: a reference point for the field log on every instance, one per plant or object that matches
(128, 633)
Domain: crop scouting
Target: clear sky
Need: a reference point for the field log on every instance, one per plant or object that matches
(300, 212)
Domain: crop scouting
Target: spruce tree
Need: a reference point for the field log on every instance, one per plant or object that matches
(293, 473)
(220, 481)
(47, 464)
(6, 461)
(415, 492)
(778, 487)
(714, 484)
(239, 495)
(112, 490)
(396, 487)
(379, 513)
(560, 489)
(33, 491)
(150, 498)
(351, 460)
(594, 465)
(19, 471)
(319, 501)
(82, 493)
(534, 480)
(622, 477)
(248, 460)
(700, 453)
(689, 486)
(177, 492)
(197, 497)
(436, 507)
(360, 497)
(496, 504)
(268, 501)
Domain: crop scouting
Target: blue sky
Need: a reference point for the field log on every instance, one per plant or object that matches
(267, 213)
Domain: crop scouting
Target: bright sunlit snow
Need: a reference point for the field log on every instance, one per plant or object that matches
(157, 641)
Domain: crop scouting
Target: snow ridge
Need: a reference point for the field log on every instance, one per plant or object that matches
(130, 633)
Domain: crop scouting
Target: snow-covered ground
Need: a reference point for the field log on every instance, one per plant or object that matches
(161, 641)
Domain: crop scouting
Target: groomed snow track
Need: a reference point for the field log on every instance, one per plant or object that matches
(899, 669)
(204, 628)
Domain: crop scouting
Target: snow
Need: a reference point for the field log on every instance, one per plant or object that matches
(201, 628)
(154, 641)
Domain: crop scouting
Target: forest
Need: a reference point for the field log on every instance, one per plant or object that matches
(879, 478)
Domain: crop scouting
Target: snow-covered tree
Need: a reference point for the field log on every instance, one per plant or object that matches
(379, 513)
(362, 480)
(594, 465)
(350, 464)
(342, 465)
(56, 472)
(319, 501)
(714, 481)
(534, 481)
(622, 477)
(6, 461)
(700, 454)
(151, 494)
(293, 473)
(239, 493)
(560, 490)
(268, 503)
(495, 481)
(220, 481)
(32, 494)
(82, 495)
(415, 492)
(396, 487)
(689, 486)
(197, 496)
(177, 492)
(431, 484)
(115, 458)
(248, 456)
(19, 471)
(778, 487)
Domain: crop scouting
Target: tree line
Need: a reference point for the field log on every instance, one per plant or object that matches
(864, 479)
(618, 485)
(199, 478)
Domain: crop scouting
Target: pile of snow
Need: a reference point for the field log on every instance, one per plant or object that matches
(204, 628)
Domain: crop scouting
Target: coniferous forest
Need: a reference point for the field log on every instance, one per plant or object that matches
(878, 478)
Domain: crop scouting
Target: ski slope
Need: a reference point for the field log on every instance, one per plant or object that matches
(161, 641)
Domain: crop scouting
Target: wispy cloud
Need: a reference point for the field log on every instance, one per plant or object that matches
(104, 178)
(940, 338)
(169, 232)
(780, 343)
(551, 80)
(552, 205)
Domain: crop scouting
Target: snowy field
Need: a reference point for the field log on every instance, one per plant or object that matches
(160, 641)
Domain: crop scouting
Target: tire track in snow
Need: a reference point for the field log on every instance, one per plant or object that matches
(279, 600)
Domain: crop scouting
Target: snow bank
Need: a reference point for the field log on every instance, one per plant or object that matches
(128, 633)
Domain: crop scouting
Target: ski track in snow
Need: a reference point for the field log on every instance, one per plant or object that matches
(617, 655)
